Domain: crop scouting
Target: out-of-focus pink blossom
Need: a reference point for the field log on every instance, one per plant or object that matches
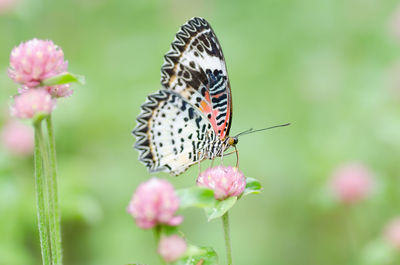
(352, 183)
(32, 102)
(34, 61)
(7, 5)
(392, 232)
(171, 248)
(224, 181)
(395, 23)
(153, 203)
(18, 138)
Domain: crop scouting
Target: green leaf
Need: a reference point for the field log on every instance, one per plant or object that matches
(63, 78)
(253, 186)
(198, 256)
(196, 197)
(220, 208)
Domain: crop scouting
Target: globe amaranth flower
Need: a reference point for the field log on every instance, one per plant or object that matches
(34, 61)
(351, 183)
(224, 181)
(171, 248)
(155, 202)
(31, 103)
(18, 138)
(392, 233)
(57, 91)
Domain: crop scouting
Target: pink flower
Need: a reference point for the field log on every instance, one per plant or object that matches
(392, 233)
(32, 102)
(171, 248)
(60, 91)
(7, 5)
(34, 61)
(351, 183)
(57, 91)
(18, 138)
(153, 203)
(224, 181)
(395, 23)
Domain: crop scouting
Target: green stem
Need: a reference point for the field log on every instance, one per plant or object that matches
(40, 195)
(53, 190)
(157, 235)
(225, 223)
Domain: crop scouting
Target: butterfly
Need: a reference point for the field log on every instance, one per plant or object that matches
(189, 118)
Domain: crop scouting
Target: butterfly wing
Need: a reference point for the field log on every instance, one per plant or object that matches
(171, 134)
(195, 68)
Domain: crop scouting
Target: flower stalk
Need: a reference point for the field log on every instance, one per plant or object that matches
(225, 223)
(40, 185)
(53, 196)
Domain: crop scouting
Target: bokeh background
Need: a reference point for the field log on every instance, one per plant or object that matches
(331, 68)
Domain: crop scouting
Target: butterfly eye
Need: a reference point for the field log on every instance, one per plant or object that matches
(231, 141)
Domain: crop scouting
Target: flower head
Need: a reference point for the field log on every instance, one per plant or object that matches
(57, 91)
(224, 181)
(34, 61)
(352, 183)
(32, 102)
(18, 138)
(155, 202)
(171, 248)
(392, 232)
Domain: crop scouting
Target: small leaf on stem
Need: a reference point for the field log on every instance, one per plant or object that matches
(196, 197)
(198, 256)
(253, 186)
(63, 78)
(220, 208)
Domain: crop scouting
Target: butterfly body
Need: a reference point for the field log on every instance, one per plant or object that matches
(189, 118)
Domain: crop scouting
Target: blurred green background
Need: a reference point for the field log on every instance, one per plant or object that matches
(330, 67)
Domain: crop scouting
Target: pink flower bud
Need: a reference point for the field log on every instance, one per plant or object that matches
(392, 233)
(60, 91)
(171, 248)
(18, 138)
(34, 61)
(352, 183)
(153, 203)
(57, 91)
(32, 102)
(224, 181)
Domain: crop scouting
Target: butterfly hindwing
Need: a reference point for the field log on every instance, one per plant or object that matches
(195, 68)
(171, 134)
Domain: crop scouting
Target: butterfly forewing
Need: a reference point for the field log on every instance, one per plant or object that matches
(195, 68)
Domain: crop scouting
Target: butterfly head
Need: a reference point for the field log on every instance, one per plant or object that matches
(232, 141)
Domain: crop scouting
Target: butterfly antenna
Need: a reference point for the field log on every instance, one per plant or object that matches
(263, 129)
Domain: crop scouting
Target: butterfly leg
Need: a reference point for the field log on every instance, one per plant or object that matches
(199, 163)
(212, 162)
(237, 157)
